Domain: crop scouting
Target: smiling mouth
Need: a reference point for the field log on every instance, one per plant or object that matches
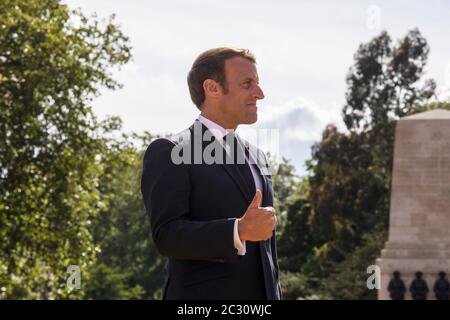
(252, 108)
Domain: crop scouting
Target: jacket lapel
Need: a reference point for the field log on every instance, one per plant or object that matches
(234, 173)
(231, 169)
(255, 160)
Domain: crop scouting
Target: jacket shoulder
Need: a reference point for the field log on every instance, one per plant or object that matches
(167, 143)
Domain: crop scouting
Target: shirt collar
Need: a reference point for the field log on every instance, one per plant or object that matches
(218, 131)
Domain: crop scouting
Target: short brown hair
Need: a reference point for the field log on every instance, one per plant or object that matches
(211, 65)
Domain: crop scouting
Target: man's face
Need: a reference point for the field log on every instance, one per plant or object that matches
(239, 104)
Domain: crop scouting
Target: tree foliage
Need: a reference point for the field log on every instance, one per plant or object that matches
(128, 265)
(342, 224)
(351, 172)
(69, 185)
(53, 61)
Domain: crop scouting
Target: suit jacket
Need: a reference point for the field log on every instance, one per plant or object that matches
(192, 208)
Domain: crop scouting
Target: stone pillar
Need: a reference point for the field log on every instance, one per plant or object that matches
(419, 222)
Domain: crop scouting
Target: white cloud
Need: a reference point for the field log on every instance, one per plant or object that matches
(298, 124)
(300, 119)
(301, 47)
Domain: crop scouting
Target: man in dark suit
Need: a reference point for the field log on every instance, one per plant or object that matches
(208, 192)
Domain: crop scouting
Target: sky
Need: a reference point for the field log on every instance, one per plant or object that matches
(304, 50)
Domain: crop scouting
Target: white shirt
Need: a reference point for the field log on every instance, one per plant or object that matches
(219, 133)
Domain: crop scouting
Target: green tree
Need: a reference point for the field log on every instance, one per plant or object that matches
(384, 84)
(341, 225)
(123, 230)
(348, 279)
(286, 185)
(296, 241)
(346, 195)
(111, 283)
(53, 61)
(351, 172)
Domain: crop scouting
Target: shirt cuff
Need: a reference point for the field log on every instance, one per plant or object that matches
(238, 244)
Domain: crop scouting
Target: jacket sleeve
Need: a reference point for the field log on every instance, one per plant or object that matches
(273, 244)
(165, 188)
(273, 240)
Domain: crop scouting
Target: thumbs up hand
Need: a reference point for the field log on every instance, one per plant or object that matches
(256, 202)
(257, 223)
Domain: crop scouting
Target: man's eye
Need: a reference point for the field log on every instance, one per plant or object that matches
(247, 85)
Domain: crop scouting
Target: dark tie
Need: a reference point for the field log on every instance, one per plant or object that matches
(240, 159)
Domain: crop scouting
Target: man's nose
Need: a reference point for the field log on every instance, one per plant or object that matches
(259, 94)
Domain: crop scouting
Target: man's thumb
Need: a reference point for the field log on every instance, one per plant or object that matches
(256, 202)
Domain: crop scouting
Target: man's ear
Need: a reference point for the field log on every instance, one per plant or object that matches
(211, 88)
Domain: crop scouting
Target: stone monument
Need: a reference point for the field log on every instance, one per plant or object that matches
(419, 222)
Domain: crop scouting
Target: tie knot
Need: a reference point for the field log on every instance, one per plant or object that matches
(230, 136)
